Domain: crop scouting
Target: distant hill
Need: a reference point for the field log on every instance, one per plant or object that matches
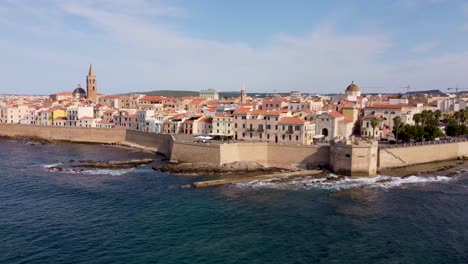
(178, 94)
(439, 92)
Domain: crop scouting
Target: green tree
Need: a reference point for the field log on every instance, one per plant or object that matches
(431, 132)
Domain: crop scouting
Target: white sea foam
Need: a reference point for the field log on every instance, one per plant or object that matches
(343, 184)
(107, 172)
(47, 166)
(56, 168)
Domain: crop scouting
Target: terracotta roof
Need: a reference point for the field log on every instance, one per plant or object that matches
(242, 111)
(152, 98)
(291, 120)
(87, 118)
(223, 115)
(345, 121)
(60, 118)
(105, 121)
(387, 106)
(335, 114)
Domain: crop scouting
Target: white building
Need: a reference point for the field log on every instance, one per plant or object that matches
(210, 93)
(74, 114)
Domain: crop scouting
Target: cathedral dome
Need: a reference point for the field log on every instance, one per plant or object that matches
(352, 88)
(79, 92)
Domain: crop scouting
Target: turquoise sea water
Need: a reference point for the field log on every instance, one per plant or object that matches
(141, 216)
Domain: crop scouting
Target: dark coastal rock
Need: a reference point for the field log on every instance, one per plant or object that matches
(112, 164)
(384, 181)
(205, 168)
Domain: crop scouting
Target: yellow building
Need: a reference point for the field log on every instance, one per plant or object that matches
(57, 113)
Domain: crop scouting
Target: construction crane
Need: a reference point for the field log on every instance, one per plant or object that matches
(456, 89)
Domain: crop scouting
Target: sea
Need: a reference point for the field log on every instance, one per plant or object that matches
(142, 216)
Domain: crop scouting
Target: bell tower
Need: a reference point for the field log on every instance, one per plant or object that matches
(91, 85)
(243, 95)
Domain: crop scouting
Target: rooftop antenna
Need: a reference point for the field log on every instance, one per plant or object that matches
(407, 87)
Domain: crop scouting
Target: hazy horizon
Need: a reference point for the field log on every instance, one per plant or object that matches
(270, 46)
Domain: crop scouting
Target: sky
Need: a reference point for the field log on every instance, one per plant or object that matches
(46, 46)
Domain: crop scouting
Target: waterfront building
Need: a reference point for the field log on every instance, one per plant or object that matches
(105, 123)
(88, 121)
(210, 94)
(155, 103)
(380, 131)
(223, 126)
(326, 124)
(256, 125)
(91, 85)
(295, 130)
(74, 113)
(173, 125)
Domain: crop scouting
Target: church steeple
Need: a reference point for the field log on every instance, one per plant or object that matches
(91, 85)
(91, 71)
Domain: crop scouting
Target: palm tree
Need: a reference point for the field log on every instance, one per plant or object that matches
(437, 115)
(374, 122)
(417, 118)
(396, 124)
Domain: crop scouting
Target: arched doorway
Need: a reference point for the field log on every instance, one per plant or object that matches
(325, 132)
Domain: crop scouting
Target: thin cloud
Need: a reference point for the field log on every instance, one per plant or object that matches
(424, 47)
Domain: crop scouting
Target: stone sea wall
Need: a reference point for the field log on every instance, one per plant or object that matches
(405, 156)
(159, 143)
(260, 152)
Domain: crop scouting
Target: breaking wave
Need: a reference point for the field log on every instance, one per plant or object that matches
(114, 172)
(335, 183)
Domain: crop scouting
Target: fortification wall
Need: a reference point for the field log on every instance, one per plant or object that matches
(404, 156)
(276, 154)
(75, 134)
(187, 152)
(161, 143)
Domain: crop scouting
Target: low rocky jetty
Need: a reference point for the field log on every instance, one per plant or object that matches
(204, 168)
(126, 164)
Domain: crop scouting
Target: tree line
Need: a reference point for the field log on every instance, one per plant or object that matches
(427, 125)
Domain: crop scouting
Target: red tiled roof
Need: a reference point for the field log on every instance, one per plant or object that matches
(387, 106)
(291, 120)
(335, 114)
(223, 115)
(87, 118)
(345, 121)
(149, 98)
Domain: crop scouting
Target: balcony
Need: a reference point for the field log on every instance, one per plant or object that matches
(261, 130)
(289, 131)
(250, 130)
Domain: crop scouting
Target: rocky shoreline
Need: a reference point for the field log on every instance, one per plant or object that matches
(235, 167)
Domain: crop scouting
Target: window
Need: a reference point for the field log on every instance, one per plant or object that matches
(243, 125)
(235, 125)
(243, 134)
(289, 137)
(268, 126)
(250, 135)
(297, 138)
(268, 136)
(244, 117)
(283, 137)
(297, 128)
(276, 127)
